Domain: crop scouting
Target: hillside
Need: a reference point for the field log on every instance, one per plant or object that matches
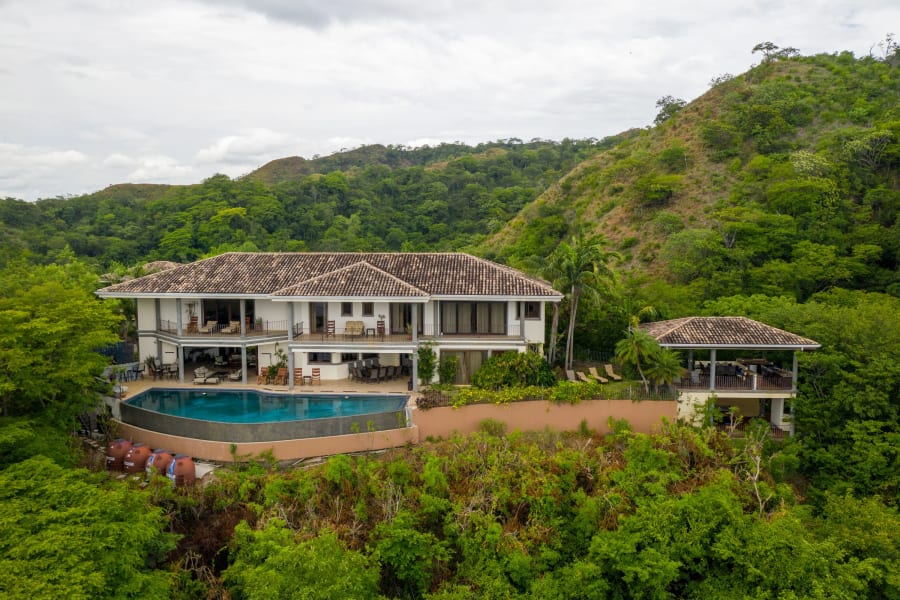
(371, 198)
(784, 178)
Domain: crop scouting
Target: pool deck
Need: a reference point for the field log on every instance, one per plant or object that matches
(337, 386)
(282, 450)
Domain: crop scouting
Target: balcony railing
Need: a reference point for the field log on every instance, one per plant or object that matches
(510, 330)
(749, 382)
(372, 333)
(232, 329)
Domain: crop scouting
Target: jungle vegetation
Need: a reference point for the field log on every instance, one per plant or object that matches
(775, 196)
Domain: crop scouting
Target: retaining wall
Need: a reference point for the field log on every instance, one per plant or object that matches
(644, 417)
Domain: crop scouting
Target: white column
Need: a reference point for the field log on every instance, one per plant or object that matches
(712, 369)
(178, 316)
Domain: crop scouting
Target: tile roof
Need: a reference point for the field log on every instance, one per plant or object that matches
(722, 332)
(260, 274)
(359, 279)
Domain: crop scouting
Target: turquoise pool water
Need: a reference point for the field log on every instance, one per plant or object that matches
(250, 406)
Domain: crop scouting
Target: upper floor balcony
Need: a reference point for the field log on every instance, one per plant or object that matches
(364, 331)
(232, 329)
(330, 332)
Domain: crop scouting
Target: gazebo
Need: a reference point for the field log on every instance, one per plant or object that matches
(738, 361)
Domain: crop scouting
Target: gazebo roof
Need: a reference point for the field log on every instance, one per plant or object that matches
(724, 332)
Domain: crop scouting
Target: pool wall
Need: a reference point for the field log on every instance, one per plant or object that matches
(281, 450)
(261, 432)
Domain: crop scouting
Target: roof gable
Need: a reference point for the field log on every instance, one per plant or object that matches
(357, 280)
(724, 332)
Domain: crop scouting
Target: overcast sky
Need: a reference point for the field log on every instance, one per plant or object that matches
(97, 92)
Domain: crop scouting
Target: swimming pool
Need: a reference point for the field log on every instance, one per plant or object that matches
(253, 416)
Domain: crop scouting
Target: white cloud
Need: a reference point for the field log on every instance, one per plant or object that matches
(117, 160)
(175, 90)
(158, 169)
(252, 145)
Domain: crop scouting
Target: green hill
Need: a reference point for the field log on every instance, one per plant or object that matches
(783, 179)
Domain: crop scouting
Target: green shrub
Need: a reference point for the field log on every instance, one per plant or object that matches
(513, 369)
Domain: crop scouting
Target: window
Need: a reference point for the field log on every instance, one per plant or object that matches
(532, 310)
(473, 317)
(346, 309)
(368, 309)
(320, 357)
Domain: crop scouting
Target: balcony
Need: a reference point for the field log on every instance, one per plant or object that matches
(371, 333)
(259, 329)
(749, 382)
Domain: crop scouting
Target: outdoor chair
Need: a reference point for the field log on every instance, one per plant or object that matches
(610, 373)
(354, 329)
(263, 377)
(570, 375)
(232, 327)
(584, 378)
(316, 376)
(298, 376)
(329, 329)
(281, 376)
(593, 373)
(209, 327)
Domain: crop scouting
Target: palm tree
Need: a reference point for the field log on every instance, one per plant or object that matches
(578, 269)
(665, 367)
(635, 348)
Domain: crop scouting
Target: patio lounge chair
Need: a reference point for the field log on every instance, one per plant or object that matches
(236, 375)
(612, 374)
(316, 376)
(570, 375)
(329, 329)
(281, 376)
(298, 376)
(263, 377)
(232, 327)
(200, 375)
(209, 327)
(593, 373)
(584, 378)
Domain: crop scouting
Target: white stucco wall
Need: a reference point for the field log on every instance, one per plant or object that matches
(146, 314)
(270, 311)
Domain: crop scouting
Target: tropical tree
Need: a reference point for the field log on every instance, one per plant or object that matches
(50, 328)
(637, 348)
(664, 367)
(579, 269)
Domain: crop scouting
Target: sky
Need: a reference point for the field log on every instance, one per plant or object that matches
(100, 92)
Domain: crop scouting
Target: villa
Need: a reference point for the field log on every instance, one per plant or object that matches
(736, 361)
(328, 312)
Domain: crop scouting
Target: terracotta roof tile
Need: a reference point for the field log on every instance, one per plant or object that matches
(735, 332)
(245, 273)
(357, 280)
